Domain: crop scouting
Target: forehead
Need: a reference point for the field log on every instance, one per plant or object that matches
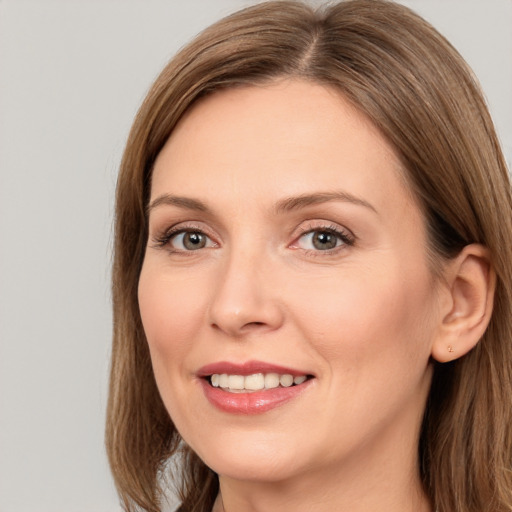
(287, 137)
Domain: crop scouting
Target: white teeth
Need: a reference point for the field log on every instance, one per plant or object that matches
(255, 381)
(286, 380)
(299, 380)
(236, 382)
(223, 381)
(271, 380)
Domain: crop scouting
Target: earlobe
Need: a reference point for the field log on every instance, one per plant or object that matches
(470, 281)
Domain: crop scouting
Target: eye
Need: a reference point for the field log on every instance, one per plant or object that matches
(183, 238)
(190, 241)
(323, 239)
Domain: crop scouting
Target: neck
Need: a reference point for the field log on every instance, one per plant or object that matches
(317, 498)
(369, 480)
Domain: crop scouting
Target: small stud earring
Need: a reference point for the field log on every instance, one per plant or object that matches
(450, 348)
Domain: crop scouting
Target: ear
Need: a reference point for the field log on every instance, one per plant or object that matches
(469, 282)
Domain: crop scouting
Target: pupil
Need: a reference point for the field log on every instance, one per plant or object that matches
(194, 241)
(324, 240)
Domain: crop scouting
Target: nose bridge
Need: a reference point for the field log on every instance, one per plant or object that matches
(245, 299)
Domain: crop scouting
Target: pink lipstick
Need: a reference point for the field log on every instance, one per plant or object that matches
(252, 387)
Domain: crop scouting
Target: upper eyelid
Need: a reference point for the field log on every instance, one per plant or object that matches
(325, 225)
(184, 226)
(330, 227)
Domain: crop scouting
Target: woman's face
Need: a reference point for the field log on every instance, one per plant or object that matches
(284, 245)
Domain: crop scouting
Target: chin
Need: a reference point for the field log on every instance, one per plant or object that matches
(250, 459)
(267, 470)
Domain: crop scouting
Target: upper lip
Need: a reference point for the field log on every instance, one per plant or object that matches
(247, 368)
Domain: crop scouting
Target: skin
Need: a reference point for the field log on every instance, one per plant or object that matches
(362, 318)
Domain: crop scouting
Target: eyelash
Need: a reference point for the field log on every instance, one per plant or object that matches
(348, 239)
(162, 240)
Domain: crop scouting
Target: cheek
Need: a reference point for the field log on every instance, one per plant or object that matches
(171, 313)
(369, 316)
(372, 332)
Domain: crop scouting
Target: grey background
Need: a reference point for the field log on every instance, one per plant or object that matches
(72, 74)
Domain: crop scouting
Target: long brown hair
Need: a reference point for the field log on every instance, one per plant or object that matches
(395, 68)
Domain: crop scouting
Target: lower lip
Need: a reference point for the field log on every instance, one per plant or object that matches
(256, 402)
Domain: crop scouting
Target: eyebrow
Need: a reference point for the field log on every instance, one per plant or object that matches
(287, 204)
(187, 203)
(303, 200)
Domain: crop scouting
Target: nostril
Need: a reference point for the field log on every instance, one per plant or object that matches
(253, 325)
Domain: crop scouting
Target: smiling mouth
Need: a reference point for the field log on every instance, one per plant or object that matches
(255, 382)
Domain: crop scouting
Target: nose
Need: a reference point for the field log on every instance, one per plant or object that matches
(245, 299)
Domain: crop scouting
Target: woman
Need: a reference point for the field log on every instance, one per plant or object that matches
(312, 276)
